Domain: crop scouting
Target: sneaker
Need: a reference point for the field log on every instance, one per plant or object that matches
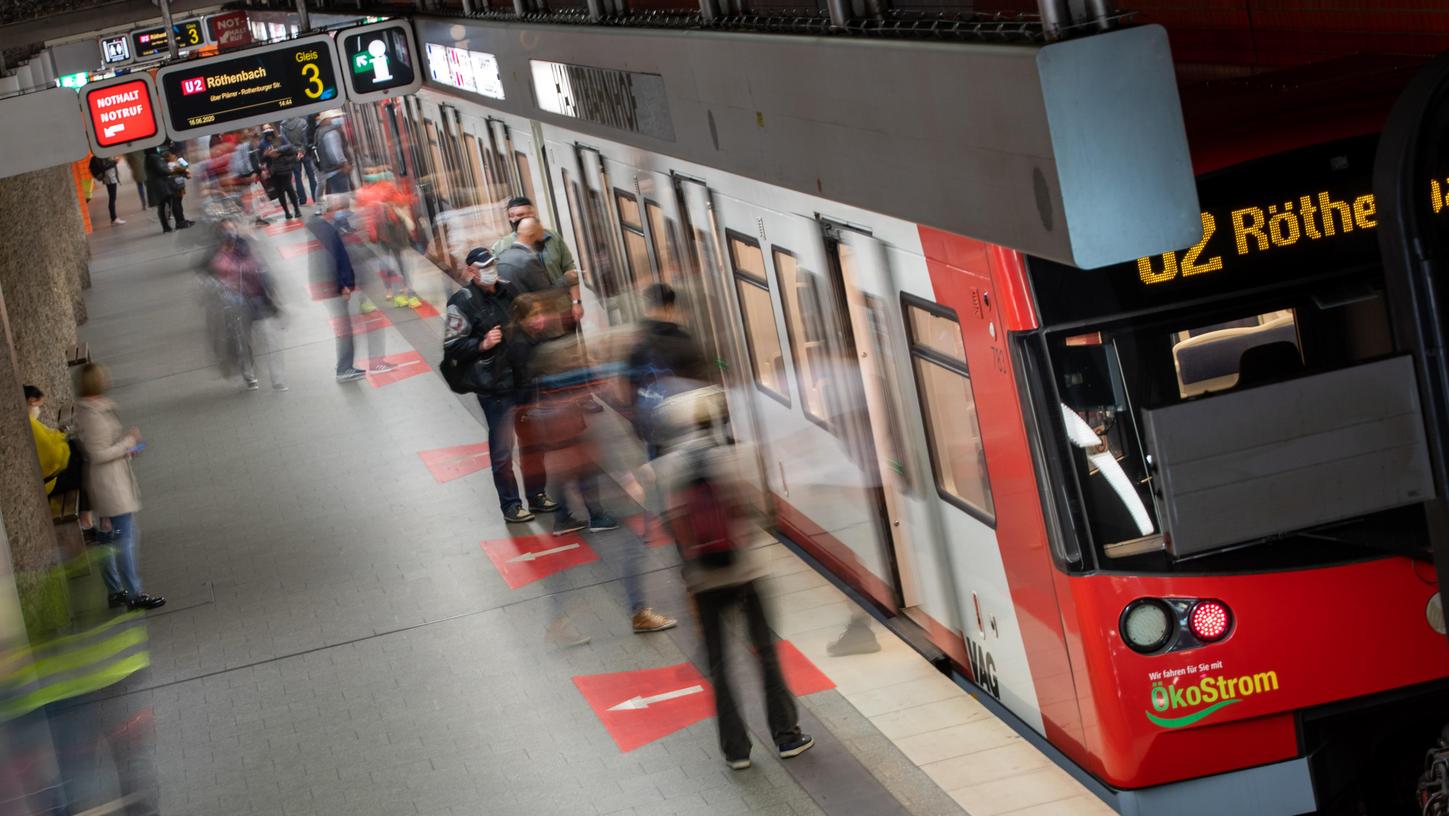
(415, 302)
(400, 300)
(382, 367)
(738, 764)
(351, 375)
(796, 746)
(115, 221)
(118, 600)
(647, 620)
(252, 385)
(146, 602)
(367, 307)
(564, 522)
(517, 514)
(562, 633)
(280, 387)
(541, 503)
(602, 522)
(856, 639)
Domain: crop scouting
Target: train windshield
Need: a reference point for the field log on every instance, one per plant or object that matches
(1163, 381)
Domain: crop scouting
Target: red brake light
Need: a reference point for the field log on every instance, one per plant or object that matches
(1210, 621)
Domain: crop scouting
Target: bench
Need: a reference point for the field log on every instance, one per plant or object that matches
(78, 354)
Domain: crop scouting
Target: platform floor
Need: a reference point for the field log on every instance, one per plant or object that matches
(339, 639)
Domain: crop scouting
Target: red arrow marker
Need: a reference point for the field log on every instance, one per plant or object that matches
(802, 676)
(447, 464)
(639, 707)
(526, 559)
(407, 364)
(284, 227)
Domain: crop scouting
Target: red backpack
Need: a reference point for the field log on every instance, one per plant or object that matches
(702, 526)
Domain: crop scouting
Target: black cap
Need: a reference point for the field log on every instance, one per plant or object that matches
(481, 257)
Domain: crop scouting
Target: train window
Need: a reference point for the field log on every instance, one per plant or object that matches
(571, 193)
(948, 406)
(661, 229)
(525, 175)
(804, 323)
(633, 231)
(762, 337)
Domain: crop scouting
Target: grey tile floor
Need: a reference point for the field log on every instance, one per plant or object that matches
(336, 640)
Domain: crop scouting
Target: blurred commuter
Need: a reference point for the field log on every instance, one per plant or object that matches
(333, 268)
(391, 225)
(334, 154)
(136, 161)
(553, 252)
(246, 170)
(180, 171)
(107, 172)
(551, 374)
(477, 359)
(705, 511)
(298, 131)
(249, 303)
(112, 487)
(280, 158)
(662, 351)
(160, 188)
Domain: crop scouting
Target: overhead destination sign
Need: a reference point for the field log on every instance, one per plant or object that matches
(250, 87)
(380, 60)
(152, 42)
(121, 115)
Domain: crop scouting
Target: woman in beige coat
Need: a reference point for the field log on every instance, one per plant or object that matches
(112, 486)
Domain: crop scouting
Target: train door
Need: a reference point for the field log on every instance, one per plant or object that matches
(615, 287)
(706, 253)
(865, 287)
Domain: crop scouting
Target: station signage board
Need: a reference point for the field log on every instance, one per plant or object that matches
(115, 50)
(229, 30)
(380, 60)
(251, 87)
(152, 42)
(122, 114)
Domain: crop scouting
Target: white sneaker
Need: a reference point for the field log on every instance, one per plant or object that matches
(116, 221)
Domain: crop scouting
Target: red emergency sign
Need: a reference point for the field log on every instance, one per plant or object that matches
(121, 113)
(229, 29)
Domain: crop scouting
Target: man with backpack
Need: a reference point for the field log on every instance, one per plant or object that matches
(476, 360)
(298, 131)
(704, 511)
(334, 156)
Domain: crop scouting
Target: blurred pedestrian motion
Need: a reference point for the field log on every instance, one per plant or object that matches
(333, 270)
(248, 306)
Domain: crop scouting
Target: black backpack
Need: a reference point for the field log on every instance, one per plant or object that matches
(98, 168)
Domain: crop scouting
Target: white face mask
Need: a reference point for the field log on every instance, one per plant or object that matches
(488, 275)
(35, 412)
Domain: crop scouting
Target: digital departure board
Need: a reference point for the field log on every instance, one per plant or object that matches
(380, 60)
(152, 42)
(122, 114)
(1303, 214)
(263, 84)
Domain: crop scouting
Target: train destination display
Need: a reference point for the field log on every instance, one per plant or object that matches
(245, 88)
(380, 60)
(152, 42)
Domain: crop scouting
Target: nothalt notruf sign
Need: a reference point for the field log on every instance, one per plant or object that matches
(250, 87)
(121, 115)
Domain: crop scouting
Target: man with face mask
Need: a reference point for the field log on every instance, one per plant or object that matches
(475, 358)
(523, 261)
(551, 249)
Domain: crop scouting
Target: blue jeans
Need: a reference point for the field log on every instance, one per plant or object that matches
(498, 411)
(119, 569)
(311, 169)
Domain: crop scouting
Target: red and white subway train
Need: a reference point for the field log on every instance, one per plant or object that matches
(1166, 512)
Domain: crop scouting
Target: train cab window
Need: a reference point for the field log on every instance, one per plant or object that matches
(1243, 352)
(948, 406)
(525, 174)
(571, 193)
(635, 248)
(804, 323)
(762, 337)
(661, 228)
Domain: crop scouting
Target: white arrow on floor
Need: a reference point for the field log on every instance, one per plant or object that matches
(636, 702)
(534, 556)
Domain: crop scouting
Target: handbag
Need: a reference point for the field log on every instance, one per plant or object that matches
(552, 423)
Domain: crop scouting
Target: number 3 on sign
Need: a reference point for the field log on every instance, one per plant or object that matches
(313, 75)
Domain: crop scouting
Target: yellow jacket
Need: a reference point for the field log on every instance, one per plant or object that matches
(53, 450)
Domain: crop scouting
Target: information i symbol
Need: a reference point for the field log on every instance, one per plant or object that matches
(378, 50)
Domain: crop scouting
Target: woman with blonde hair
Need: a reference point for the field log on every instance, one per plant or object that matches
(111, 485)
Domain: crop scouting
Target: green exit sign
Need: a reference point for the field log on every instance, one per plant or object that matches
(77, 80)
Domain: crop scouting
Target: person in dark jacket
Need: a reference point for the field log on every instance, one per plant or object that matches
(160, 188)
(475, 339)
(664, 349)
(523, 264)
(280, 157)
(333, 273)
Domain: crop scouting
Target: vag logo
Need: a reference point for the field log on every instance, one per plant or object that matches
(983, 668)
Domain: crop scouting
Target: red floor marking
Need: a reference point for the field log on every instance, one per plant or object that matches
(294, 250)
(639, 707)
(657, 536)
(802, 676)
(447, 464)
(526, 559)
(409, 364)
(322, 290)
(426, 310)
(363, 323)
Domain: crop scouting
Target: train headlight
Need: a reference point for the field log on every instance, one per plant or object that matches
(1210, 621)
(1147, 625)
(1435, 613)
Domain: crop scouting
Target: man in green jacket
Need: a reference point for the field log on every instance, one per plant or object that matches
(555, 254)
